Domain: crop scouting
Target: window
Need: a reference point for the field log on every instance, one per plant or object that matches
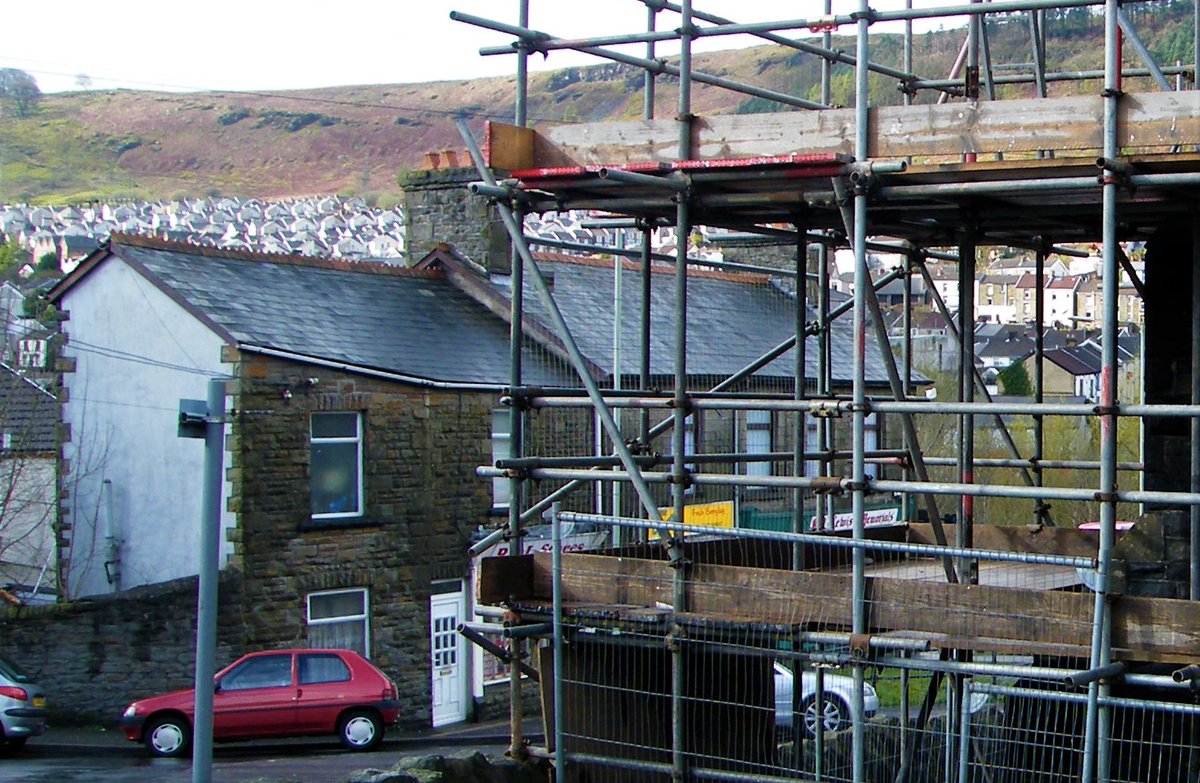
(322, 667)
(336, 465)
(758, 441)
(267, 671)
(32, 353)
(338, 620)
(501, 449)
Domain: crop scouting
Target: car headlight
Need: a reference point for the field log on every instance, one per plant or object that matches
(130, 711)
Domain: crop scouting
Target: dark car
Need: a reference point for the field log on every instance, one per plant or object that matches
(22, 705)
(281, 693)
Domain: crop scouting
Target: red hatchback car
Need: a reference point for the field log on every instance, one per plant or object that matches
(282, 693)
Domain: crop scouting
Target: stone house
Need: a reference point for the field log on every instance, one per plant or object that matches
(1089, 303)
(360, 401)
(997, 299)
(1072, 373)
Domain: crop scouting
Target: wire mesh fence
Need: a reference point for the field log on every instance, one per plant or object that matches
(757, 676)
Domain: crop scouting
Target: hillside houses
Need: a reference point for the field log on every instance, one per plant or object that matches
(330, 227)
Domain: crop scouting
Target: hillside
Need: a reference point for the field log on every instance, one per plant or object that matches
(355, 140)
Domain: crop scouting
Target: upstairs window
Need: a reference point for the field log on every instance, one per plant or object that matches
(336, 465)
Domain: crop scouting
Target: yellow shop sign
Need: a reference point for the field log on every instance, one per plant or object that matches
(719, 514)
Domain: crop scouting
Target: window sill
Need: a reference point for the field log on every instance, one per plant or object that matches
(336, 524)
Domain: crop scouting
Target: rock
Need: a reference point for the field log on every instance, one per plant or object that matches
(381, 776)
(476, 768)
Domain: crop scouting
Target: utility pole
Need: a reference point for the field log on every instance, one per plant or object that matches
(201, 419)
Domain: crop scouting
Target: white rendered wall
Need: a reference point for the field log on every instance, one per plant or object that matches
(136, 353)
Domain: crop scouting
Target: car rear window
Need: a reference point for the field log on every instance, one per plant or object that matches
(322, 667)
(12, 671)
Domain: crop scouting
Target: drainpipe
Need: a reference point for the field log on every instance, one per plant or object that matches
(112, 545)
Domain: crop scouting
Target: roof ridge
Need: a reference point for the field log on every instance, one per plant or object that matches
(285, 259)
(660, 268)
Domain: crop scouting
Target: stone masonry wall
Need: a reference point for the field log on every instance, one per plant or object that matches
(93, 657)
(438, 208)
(422, 501)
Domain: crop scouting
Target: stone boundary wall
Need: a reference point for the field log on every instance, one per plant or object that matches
(94, 656)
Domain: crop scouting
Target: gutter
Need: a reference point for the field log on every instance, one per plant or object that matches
(383, 374)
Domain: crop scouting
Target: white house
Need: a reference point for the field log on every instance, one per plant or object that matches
(115, 430)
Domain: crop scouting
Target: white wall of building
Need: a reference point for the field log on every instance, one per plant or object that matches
(137, 353)
(1060, 306)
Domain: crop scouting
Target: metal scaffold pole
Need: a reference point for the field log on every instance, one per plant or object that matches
(799, 391)
(679, 471)
(1194, 428)
(1041, 511)
(964, 530)
(516, 418)
(1099, 716)
(858, 471)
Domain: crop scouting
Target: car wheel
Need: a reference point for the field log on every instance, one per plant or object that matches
(168, 737)
(833, 714)
(360, 730)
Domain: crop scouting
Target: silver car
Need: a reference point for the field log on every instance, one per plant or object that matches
(22, 705)
(832, 714)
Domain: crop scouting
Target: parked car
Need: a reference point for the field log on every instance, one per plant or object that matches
(22, 705)
(281, 693)
(833, 713)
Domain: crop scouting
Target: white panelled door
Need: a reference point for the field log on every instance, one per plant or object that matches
(449, 662)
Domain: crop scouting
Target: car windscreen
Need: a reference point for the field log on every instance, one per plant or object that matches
(12, 671)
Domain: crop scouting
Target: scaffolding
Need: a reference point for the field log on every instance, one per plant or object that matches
(689, 652)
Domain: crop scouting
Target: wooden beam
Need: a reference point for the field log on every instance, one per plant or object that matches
(1070, 126)
(981, 617)
(507, 147)
(503, 577)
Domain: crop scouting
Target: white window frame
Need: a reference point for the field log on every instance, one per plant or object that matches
(357, 439)
(501, 449)
(364, 616)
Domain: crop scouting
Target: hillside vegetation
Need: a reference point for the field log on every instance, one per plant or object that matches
(86, 145)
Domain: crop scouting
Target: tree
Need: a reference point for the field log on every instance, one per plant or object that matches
(18, 91)
(48, 262)
(12, 254)
(1014, 380)
(83, 81)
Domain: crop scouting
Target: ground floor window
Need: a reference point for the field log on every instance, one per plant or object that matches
(339, 619)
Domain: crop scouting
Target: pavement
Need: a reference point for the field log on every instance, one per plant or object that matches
(93, 740)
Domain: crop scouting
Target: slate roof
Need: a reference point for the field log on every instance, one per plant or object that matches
(372, 317)
(1075, 362)
(1005, 347)
(733, 319)
(28, 415)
